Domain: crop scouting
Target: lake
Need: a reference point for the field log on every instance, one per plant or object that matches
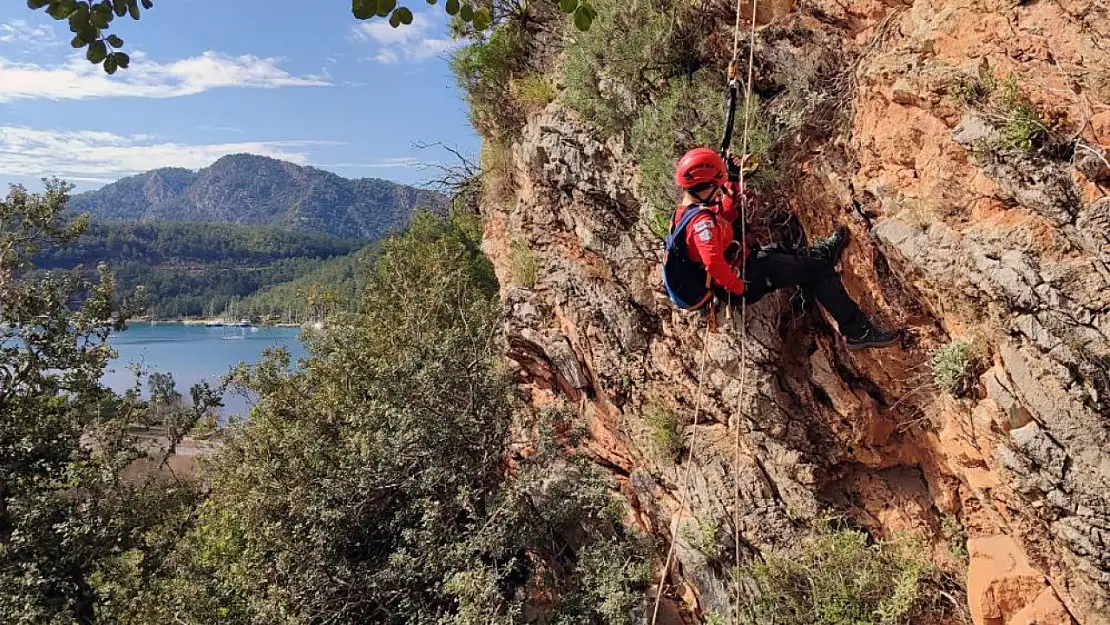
(193, 353)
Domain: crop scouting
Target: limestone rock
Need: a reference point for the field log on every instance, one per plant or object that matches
(955, 237)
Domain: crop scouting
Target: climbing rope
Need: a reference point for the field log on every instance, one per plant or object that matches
(725, 151)
(738, 413)
(689, 465)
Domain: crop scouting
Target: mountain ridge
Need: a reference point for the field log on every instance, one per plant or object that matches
(248, 188)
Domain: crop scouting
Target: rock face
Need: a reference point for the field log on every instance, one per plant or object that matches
(1004, 248)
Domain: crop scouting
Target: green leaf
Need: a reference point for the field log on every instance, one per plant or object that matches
(122, 59)
(393, 20)
(584, 17)
(404, 15)
(364, 9)
(452, 7)
(120, 7)
(482, 19)
(110, 64)
(115, 41)
(78, 20)
(35, 5)
(61, 10)
(466, 12)
(431, 1)
(78, 42)
(133, 8)
(385, 7)
(97, 52)
(148, 4)
(568, 6)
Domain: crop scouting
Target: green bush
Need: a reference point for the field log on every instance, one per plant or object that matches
(690, 113)
(704, 539)
(1021, 124)
(1005, 107)
(840, 578)
(532, 91)
(632, 47)
(665, 432)
(484, 71)
(952, 366)
(612, 577)
(523, 263)
(497, 170)
(956, 536)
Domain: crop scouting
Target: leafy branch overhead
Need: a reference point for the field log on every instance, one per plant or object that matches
(480, 17)
(89, 20)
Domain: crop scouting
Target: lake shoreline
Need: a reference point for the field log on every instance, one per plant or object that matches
(195, 353)
(219, 322)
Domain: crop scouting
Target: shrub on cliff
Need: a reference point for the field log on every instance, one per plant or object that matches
(840, 577)
(688, 114)
(631, 49)
(485, 72)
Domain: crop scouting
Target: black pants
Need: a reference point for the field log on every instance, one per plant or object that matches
(770, 270)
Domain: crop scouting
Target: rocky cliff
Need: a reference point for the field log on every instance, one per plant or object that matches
(980, 223)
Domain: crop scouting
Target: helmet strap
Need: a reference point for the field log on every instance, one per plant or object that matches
(698, 193)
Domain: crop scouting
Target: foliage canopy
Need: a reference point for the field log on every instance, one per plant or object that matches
(90, 20)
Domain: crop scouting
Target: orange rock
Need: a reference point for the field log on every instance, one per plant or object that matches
(1003, 589)
(1046, 610)
(1100, 125)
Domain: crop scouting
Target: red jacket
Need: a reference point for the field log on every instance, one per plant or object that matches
(707, 238)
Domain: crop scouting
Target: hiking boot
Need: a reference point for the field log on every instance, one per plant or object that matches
(870, 335)
(831, 247)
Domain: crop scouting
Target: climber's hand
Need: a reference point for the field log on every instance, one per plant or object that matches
(734, 164)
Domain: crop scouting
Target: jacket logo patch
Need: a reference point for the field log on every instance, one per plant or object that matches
(703, 225)
(705, 234)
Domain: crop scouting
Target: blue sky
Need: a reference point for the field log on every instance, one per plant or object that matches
(214, 77)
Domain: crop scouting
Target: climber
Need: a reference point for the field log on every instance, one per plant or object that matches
(703, 259)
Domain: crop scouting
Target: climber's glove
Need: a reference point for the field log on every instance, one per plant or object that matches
(734, 164)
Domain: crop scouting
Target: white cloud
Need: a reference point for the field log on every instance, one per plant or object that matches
(417, 41)
(385, 163)
(77, 79)
(94, 156)
(220, 128)
(19, 31)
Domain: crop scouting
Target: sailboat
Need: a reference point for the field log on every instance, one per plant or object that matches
(235, 337)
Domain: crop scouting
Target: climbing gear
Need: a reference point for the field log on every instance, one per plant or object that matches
(724, 153)
(687, 282)
(831, 247)
(733, 169)
(730, 110)
(869, 335)
(700, 166)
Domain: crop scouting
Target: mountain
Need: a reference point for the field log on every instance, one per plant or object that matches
(257, 190)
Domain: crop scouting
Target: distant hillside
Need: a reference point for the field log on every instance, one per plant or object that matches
(335, 284)
(249, 189)
(192, 269)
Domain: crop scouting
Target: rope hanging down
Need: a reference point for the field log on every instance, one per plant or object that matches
(738, 413)
(725, 153)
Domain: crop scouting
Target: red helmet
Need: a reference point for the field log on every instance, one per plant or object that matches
(700, 166)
